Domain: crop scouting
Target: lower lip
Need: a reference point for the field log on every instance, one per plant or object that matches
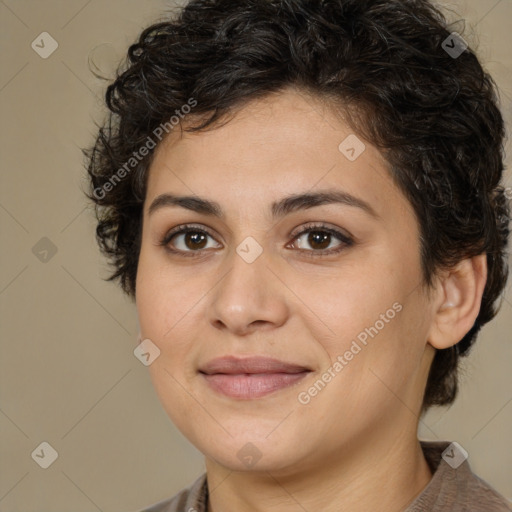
(247, 386)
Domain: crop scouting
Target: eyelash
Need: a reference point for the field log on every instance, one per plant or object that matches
(189, 228)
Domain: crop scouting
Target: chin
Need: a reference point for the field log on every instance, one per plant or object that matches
(251, 453)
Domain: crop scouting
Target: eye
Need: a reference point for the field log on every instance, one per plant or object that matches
(189, 240)
(186, 240)
(320, 238)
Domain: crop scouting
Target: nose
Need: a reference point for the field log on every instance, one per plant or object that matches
(249, 297)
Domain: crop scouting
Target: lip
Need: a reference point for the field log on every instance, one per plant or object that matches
(252, 377)
(231, 365)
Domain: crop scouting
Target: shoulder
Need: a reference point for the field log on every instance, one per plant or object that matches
(454, 487)
(191, 499)
(482, 496)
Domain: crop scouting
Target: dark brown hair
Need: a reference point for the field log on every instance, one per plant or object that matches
(384, 63)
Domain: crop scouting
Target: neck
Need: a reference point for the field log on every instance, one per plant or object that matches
(378, 474)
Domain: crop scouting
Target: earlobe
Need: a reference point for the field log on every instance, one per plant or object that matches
(458, 303)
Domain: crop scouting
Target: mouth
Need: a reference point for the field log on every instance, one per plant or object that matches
(251, 378)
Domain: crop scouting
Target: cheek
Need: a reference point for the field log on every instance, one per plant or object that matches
(374, 320)
(169, 308)
(162, 311)
(348, 300)
(163, 319)
(161, 296)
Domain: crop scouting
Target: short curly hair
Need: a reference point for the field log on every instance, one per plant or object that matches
(384, 63)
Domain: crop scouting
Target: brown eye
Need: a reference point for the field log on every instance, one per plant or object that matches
(185, 240)
(317, 240)
(193, 240)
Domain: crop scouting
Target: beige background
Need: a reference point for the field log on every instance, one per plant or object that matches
(68, 375)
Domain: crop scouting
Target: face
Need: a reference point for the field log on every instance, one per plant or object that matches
(327, 288)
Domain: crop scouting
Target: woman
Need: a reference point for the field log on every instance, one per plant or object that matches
(304, 200)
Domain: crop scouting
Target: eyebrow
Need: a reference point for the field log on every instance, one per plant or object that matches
(279, 208)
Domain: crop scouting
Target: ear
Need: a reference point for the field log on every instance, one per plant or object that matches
(457, 302)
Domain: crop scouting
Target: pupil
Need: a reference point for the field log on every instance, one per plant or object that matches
(317, 237)
(196, 239)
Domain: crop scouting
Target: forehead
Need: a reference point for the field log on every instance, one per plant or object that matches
(283, 144)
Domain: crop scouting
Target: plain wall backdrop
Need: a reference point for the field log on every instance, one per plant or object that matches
(68, 375)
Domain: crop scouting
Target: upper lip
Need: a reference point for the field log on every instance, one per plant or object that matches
(232, 365)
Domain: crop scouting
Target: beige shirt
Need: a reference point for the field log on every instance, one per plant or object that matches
(451, 489)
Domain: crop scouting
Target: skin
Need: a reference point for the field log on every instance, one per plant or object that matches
(355, 443)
